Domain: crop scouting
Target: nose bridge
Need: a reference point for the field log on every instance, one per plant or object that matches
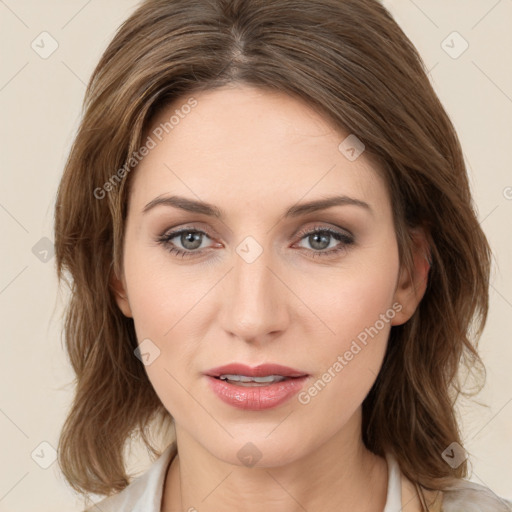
(256, 305)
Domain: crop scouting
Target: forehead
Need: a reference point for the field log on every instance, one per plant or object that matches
(240, 143)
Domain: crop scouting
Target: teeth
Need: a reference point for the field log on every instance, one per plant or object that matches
(245, 378)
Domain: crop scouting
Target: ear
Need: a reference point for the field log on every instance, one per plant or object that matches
(118, 286)
(411, 287)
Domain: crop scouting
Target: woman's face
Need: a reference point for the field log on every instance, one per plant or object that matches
(229, 257)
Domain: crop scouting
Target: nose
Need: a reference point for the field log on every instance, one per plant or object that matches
(256, 302)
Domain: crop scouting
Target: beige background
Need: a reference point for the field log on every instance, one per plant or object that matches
(40, 102)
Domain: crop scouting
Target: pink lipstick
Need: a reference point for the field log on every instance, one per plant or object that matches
(255, 388)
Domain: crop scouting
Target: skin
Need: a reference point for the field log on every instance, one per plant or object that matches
(254, 153)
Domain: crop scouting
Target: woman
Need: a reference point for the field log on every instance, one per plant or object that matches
(272, 250)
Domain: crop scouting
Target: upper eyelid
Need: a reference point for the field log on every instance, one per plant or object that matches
(319, 227)
(173, 232)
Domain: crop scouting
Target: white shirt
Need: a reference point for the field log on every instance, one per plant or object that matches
(144, 494)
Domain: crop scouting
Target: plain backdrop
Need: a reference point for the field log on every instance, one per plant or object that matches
(466, 45)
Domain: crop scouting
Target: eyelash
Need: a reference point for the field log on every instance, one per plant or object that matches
(345, 239)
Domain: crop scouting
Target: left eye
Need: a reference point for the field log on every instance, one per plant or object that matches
(191, 241)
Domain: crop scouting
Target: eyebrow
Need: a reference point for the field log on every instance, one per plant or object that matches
(191, 205)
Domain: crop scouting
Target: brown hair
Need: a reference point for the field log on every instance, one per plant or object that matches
(350, 60)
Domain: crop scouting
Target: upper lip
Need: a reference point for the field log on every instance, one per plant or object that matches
(261, 370)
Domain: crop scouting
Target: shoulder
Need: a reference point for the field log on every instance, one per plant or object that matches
(466, 496)
(144, 493)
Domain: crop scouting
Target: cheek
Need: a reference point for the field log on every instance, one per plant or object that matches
(355, 297)
(349, 360)
(162, 301)
(161, 295)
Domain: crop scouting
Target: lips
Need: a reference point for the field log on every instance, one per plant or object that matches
(255, 396)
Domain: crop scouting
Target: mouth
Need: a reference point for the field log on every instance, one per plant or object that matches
(261, 374)
(255, 388)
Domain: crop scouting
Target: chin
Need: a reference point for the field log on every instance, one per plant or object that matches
(259, 450)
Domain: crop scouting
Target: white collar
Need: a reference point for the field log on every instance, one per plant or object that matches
(394, 496)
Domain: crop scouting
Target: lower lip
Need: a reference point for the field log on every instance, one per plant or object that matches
(256, 398)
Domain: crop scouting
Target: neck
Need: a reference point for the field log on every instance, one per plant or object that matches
(340, 475)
